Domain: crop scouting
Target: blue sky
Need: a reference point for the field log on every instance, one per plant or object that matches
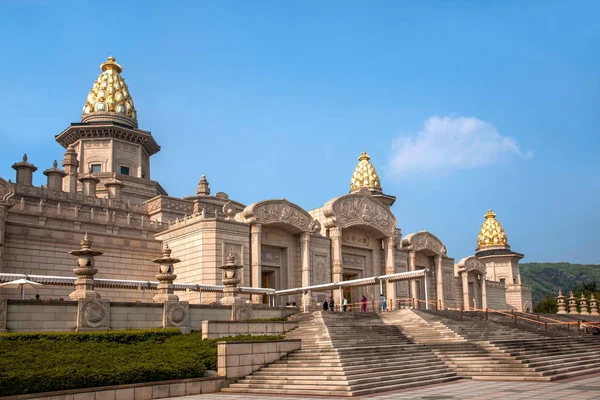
(462, 105)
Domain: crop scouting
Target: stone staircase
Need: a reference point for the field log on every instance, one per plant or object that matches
(469, 359)
(347, 354)
(545, 358)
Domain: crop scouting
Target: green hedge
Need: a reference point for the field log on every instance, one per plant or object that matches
(42, 362)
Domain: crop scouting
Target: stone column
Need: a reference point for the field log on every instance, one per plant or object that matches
(70, 164)
(412, 266)
(484, 303)
(305, 250)
(88, 184)
(114, 188)
(255, 262)
(55, 177)
(465, 285)
(390, 268)
(336, 246)
(561, 303)
(85, 271)
(165, 276)
(439, 280)
(25, 172)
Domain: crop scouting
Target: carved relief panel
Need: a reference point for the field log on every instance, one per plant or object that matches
(321, 271)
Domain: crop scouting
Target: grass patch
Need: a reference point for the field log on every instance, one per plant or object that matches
(43, 362)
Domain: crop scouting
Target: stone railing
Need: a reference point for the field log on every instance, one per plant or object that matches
(219, 329)
(238, 359)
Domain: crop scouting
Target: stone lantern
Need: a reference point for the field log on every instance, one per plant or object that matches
(561, 303)
(583, 305)
(165, 276)
(230, 282)
(572, 304)
(593, 306)
(85, 271)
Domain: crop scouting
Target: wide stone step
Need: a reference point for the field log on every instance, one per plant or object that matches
(384, 386)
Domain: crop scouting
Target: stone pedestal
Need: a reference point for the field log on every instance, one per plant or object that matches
(165, 276)
(583, 305)
(230, 282)
(85, 271)
(176, 314)
(594, 306)
(572, 304)
(93, 314)
(561, 303)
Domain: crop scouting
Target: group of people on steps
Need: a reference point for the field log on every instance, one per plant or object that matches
(329, 305)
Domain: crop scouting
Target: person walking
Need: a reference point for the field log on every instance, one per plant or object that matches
(331, 304)
(363, 304)
(345, 304)
(382, 303)
(325, 305)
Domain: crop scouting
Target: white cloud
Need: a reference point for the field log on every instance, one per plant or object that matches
(451, 143)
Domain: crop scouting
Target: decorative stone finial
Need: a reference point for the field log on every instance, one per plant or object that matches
(165, 276)
(25, 157)
(230, 281)
(203, 188)
(55, 164)
(85, 271)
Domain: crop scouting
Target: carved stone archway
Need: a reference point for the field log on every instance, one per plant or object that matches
(359, 208)
(424, 240)
(288, 216)
(472, 265)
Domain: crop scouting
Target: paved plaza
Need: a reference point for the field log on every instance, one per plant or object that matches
(572, 389)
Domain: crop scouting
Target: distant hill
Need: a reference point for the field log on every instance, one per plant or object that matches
(547, 278)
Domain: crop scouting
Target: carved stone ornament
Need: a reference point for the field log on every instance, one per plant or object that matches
(359, 208)
(424, 241)
(3, 308)
(229, 210)
(472, 264)
(6, 193)
(241, 311)
(279, 212)
(315, 226)
(93, 314)
(176, 314)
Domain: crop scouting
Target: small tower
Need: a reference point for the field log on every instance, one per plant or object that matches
(560, 303)
(55, 177)
(25, 171)
(203, 189)
(593, 306)
(572, 304)
(365, 176)
(583, 305)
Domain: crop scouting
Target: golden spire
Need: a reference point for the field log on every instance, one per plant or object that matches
(491, 232)
(110, 94)
(365, 175)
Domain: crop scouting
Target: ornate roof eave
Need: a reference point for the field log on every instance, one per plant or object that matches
(359, 208)
(107, 129)
(281, 212)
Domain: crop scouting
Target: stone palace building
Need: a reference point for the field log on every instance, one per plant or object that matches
(105, 188)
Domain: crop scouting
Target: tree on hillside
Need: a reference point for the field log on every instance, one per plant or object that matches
(547, 306)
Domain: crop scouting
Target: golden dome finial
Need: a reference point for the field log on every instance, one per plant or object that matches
(491, 232)
(109, 98)
(111, 63)
(365, 175)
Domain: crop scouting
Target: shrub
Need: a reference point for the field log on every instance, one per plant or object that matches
(41, 362)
